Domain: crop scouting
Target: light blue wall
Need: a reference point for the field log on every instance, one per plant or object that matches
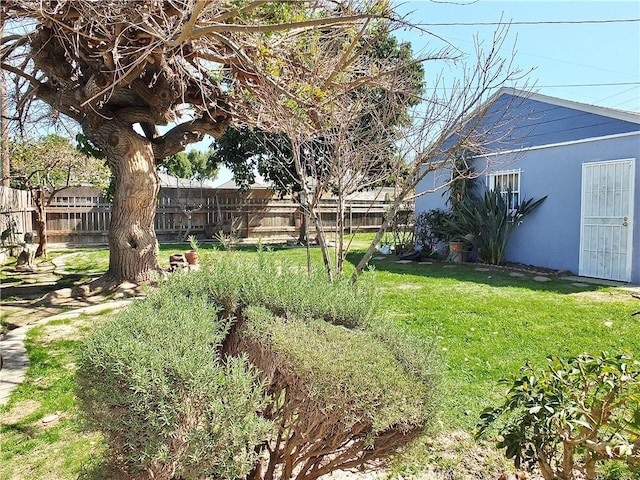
(550, 236)
(430, 199)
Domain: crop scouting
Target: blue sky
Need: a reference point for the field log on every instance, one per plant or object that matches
(574, 55)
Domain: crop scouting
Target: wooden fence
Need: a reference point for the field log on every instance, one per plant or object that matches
(15, 218)
(82, 216)
(15, 214)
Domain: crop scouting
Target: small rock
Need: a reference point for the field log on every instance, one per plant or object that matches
(482, 269)
(404, 261)
(516, 274)
(50, 418)
(425, 263)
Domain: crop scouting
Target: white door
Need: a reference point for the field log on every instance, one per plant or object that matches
(607, 219)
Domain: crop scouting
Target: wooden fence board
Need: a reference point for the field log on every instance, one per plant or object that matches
(82, 217)
(15, 214)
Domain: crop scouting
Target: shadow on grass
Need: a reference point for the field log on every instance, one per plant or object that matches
(494, 276)
(33, 291)
(27, 431)
(99, 468)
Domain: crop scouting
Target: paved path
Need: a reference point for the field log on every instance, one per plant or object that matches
(14, 355)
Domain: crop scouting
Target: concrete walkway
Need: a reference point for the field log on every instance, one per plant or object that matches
(14, 354)
(631, 287)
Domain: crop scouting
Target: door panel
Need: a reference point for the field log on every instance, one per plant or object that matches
(607, 219)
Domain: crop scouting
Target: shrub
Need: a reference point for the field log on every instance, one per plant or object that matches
(170, 385)
(232, 282)
(487, 223)
(432, 229)
(153, 382)
(571, 416)
(340, 397)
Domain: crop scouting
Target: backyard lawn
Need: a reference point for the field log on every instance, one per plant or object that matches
(488, 321)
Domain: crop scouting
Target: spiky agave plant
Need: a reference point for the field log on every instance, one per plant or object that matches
(487, 222)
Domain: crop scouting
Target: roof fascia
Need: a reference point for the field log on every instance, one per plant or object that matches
(631, 117)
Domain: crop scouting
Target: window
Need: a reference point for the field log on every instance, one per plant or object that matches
(507, 182)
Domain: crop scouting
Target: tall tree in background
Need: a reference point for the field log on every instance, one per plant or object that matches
(191, 65)
(350, 148)
(5, 168)
(194, 165)
(47, 166)
(246, 151)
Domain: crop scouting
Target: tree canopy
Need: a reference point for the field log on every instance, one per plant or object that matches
(46, 166)
(247, 151)
(194, 165)
(121, 69)
(52, 163)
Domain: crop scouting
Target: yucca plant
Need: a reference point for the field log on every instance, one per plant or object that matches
(487, 223)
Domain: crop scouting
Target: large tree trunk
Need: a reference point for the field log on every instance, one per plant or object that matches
(133, 245)
(40, 203)
(5, 165)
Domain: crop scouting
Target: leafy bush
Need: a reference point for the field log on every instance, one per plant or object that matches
(431, 229)
(232, 282)
(340, 397)
(153, 382)
(571, 416)
(169, 384)
(487, 223)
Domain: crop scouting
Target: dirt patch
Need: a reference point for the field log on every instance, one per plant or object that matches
(600, 296)
(53, 333)
(456, 455)
(19, 411)
(351, 476)
(15, 314)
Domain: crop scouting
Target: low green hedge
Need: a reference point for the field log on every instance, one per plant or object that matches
(341, 397)
(254, 368)
(153, 382)
(232, 281)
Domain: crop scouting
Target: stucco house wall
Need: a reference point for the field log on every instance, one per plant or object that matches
(551, 164)
(550, 236)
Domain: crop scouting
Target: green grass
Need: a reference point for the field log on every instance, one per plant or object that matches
(30, 448)
(96, 260)
(488, 325)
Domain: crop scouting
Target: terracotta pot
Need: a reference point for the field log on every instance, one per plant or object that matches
(456, 252)
(192, 257)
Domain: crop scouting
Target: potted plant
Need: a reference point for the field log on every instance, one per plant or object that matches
(460, 191)
(192, 255)
(489, 223)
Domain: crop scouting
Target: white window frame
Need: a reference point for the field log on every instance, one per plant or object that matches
(505, 179)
